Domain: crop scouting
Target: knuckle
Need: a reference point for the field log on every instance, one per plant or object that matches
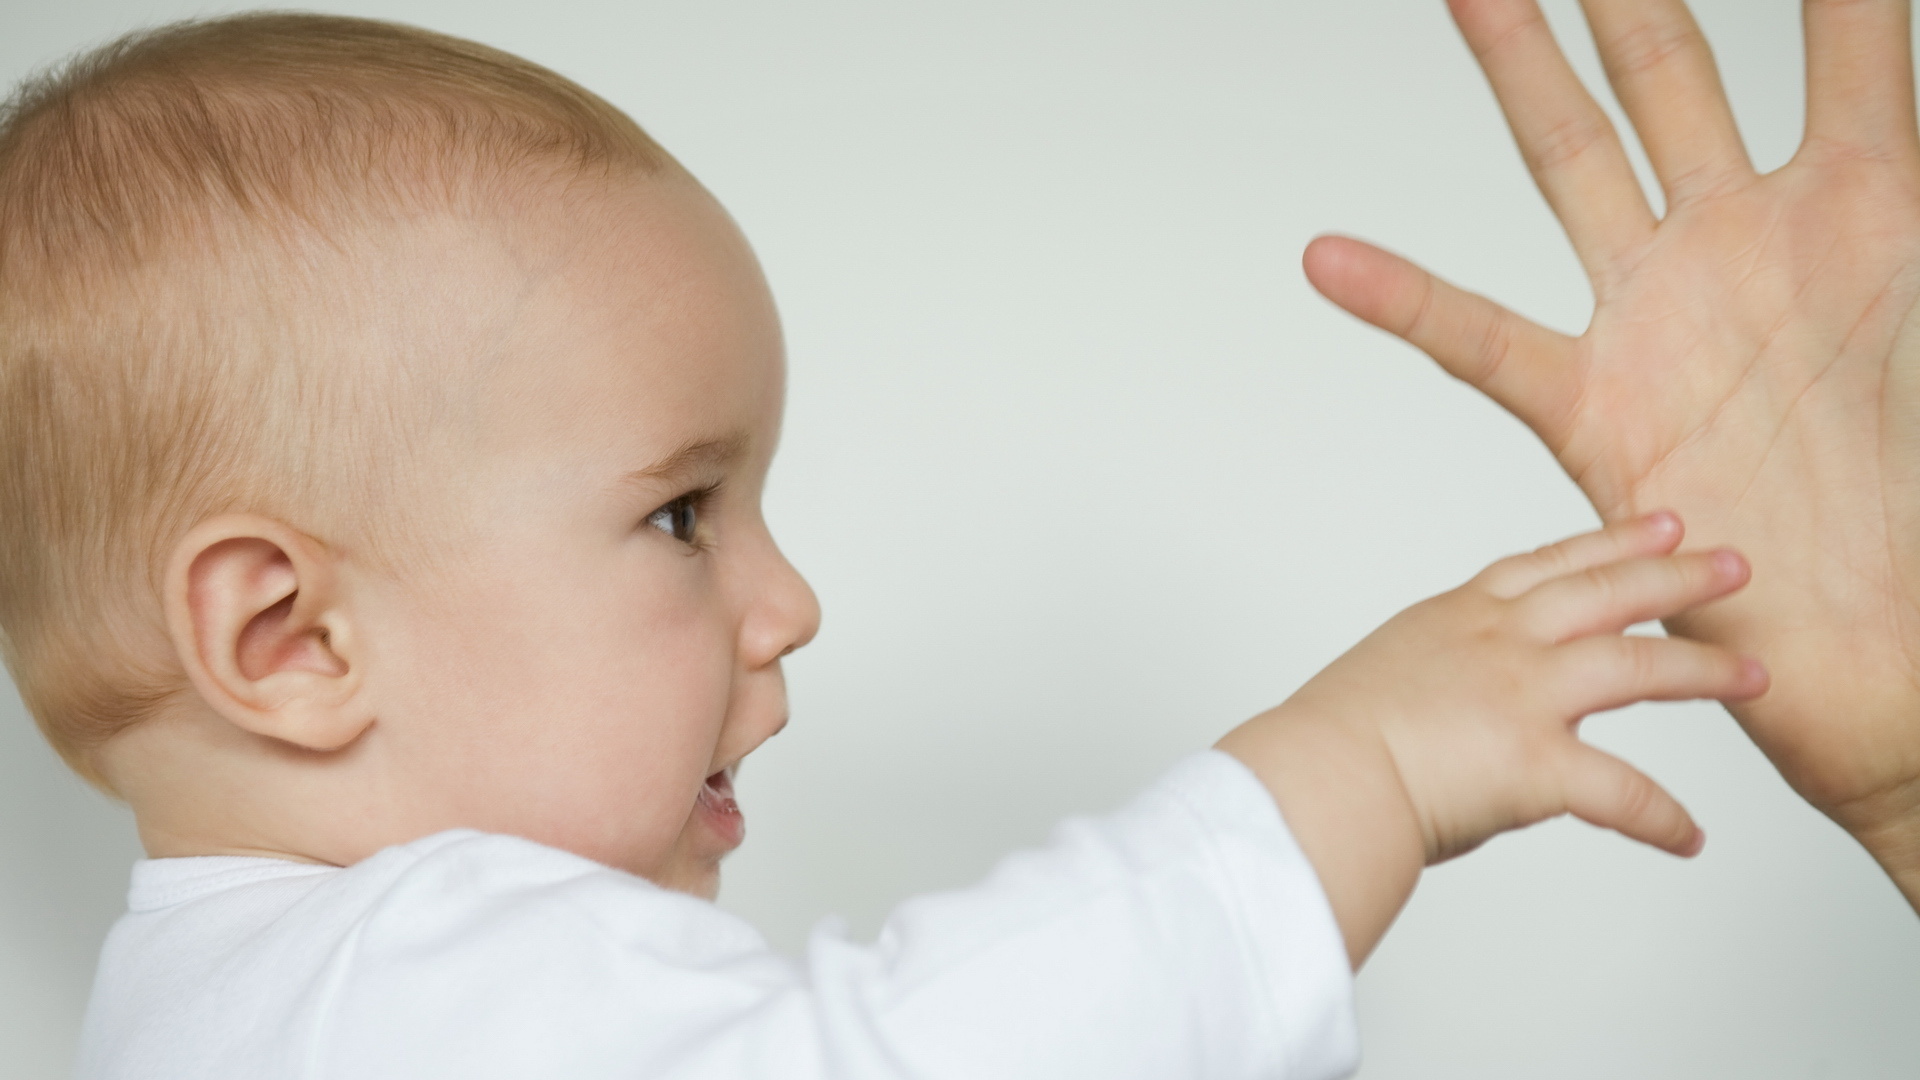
(1639, 660)
(1415, 327)
(1669, 577)
(1489, 34)
(1658, 585)
(1501, 568)
(1502, 579)
(1548, 557)
(1636, 797)
(1567, 140)
(1494, 344)
(1646, 47)
(1603, 584)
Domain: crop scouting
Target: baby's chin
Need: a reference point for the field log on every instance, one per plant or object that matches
(711, 831)
(692, 867)
(692, 879)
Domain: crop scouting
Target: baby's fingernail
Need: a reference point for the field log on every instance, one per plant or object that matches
(1728, 563)
(1663, 521)
(1753, 672)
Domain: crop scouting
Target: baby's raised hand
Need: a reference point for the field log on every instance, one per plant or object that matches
(1455, 720)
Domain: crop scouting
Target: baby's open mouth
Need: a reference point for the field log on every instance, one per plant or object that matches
(720, 811)
(717, 794)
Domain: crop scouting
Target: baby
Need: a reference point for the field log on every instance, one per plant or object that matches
(385, 425)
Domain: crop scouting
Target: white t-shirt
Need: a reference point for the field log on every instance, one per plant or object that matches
(1181, 936)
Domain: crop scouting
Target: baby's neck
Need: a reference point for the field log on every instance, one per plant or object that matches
(200, 787)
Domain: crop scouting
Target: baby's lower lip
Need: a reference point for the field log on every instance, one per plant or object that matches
(717, 805)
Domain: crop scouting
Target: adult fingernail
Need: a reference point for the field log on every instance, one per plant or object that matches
(1697, 844)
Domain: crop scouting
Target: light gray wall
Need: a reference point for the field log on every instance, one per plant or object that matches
(1085, 474)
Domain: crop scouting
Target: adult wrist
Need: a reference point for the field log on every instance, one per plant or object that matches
(1894, 843)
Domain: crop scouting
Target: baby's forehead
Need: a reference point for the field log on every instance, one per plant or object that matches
(620, 319)
(459, 279)
(651, 231)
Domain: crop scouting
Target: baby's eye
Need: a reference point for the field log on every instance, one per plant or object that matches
(679, 519)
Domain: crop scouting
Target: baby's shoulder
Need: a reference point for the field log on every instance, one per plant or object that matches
(463, 945)
(468, 884)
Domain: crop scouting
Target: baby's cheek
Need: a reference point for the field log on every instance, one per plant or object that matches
(657, 691)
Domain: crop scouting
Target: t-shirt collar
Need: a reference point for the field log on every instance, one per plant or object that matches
(160, 883)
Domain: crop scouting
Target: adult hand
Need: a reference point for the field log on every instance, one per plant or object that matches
(1753, 361)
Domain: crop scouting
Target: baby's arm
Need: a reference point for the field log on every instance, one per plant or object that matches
(1193, 933)
(1455, 720)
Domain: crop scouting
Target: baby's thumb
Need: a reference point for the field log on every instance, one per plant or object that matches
(1602, 790)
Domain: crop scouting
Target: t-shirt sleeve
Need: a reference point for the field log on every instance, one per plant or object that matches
(1181, 936)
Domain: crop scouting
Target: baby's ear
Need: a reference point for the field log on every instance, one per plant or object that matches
(256, 615)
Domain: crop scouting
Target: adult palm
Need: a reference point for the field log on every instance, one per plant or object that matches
(1753, 361)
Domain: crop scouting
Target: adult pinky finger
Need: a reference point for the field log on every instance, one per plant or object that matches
(1609, 671)
(1602, 790)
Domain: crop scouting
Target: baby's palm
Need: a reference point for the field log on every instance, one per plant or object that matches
(1753, 361)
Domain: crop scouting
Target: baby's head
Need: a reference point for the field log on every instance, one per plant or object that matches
(383, 421)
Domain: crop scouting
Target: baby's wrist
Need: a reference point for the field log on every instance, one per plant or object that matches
(1336, 786)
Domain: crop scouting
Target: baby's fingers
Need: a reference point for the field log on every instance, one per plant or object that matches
(1610, 598)
(1652, 534)
(1609, 672)
(1602, 790)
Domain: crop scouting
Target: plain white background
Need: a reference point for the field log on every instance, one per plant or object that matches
(1084, 474)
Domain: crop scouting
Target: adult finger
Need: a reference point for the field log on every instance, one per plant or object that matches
(1649, 534)
(1524, 367)
(1602, 790)
(1663, 73)
(1860, 75)
(1568, 143)
(1611, 597)
(1613, 671)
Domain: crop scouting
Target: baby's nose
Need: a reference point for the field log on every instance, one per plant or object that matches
(786, 616)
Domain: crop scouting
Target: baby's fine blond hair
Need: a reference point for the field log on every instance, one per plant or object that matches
(171, 206)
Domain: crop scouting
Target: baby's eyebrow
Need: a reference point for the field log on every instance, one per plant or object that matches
(689, 460)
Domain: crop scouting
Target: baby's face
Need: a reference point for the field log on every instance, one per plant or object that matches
(606, 647)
